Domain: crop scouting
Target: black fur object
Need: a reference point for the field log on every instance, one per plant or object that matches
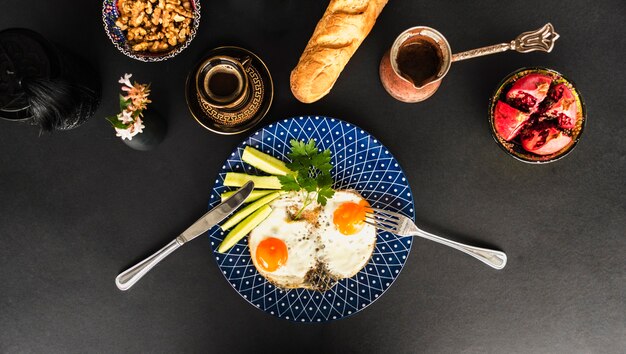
(44, 84)
(50, 101)
(55, 104)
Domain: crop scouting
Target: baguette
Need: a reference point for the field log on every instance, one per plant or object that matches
(343, 27)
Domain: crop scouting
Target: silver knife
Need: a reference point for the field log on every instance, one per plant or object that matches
(130, 276)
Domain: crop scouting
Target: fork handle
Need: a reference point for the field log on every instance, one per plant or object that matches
(492, 258)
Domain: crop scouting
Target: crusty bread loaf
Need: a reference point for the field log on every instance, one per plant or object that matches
(337, 36)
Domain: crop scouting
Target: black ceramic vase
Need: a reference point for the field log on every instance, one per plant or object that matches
(152, 135)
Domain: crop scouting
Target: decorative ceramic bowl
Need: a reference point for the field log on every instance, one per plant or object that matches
(110, 14)
(514, 147)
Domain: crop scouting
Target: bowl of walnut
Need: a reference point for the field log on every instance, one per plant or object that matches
(151, 30)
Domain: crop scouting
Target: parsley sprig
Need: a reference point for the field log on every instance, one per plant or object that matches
(311, 173)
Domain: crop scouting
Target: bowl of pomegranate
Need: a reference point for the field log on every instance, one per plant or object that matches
(537, 115)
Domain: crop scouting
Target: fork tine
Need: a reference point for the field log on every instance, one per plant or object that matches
(384, 223)
(378, 226)
(383, 217)
(391, 213)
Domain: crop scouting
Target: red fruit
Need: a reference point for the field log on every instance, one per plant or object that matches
(527, 92)
(508, 121)
(564, 107)
(544, 139)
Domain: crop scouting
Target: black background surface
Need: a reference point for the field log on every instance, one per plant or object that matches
(78, 207)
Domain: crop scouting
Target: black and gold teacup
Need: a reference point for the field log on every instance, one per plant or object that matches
(222, 81)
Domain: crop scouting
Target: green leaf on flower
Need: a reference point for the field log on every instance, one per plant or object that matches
(124, 103)
(116, 123)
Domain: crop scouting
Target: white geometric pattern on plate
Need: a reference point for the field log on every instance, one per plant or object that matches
(360, 162)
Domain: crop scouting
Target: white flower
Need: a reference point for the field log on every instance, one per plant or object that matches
(138, 126)
(132, 130)
(126, 116)
(126, 80)
(124, 133)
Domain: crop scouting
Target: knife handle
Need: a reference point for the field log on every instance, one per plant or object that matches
(130, 276)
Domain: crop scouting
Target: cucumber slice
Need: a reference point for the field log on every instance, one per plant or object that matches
(234, 179)
(244, 228)
(249, 209)
(256, 194)
(264, 162)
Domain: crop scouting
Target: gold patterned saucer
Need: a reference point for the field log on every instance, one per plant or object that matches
(246, 115)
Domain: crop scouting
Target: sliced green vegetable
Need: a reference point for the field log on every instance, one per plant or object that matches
(244, 228)
(235, 179)
(254, 195)
(249, 209)
(264, 162)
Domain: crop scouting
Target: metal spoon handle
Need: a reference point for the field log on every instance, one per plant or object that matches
(540, 39)
(132, 275)
(493, 258)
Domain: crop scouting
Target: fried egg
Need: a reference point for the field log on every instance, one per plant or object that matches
(323, 246)
(348, 240)
(282, 249)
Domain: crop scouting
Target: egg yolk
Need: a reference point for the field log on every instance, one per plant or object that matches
(271, 254)
(349, 218)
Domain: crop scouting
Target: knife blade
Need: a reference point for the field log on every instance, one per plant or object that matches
(217, 214)
(129, 277)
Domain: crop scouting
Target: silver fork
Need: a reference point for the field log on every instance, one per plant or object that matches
(402, 226)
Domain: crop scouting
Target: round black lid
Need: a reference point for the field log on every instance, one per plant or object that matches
(23, 54)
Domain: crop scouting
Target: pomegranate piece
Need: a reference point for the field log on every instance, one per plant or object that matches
(544, 139)
(508, 121)
(528, 91)
(563, 106)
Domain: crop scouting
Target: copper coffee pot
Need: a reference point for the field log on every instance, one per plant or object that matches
(405, 90)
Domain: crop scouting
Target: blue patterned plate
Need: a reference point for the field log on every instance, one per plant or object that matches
(360, 162)
(110, 14)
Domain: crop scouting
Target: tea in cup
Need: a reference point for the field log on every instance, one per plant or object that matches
(222, 82)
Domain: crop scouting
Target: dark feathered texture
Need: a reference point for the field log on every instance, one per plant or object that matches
(54, 104)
